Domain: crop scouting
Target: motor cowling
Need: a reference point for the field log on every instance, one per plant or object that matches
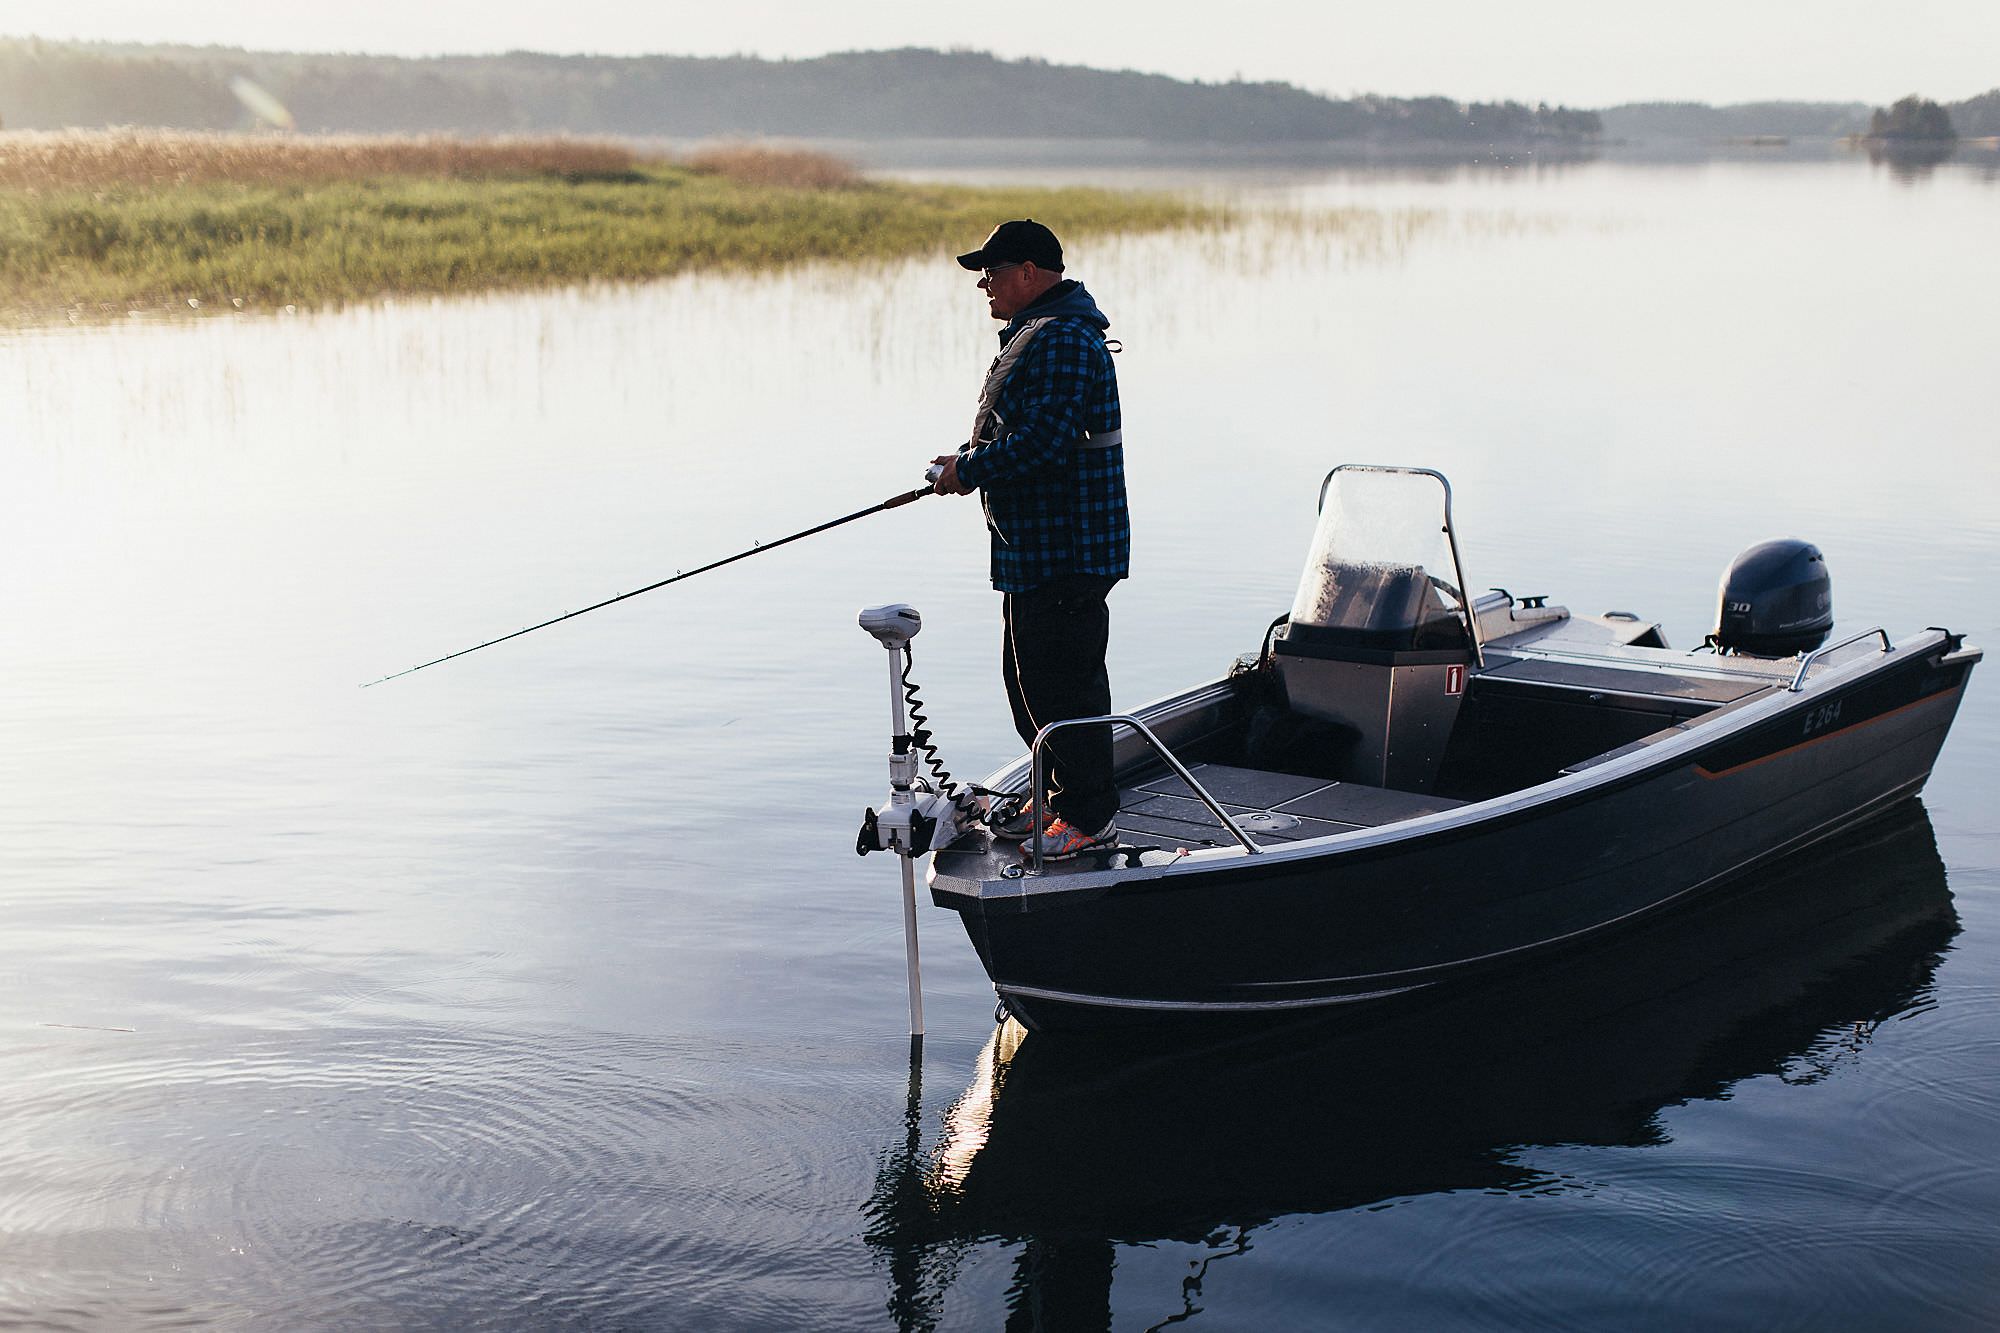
(1776, 599)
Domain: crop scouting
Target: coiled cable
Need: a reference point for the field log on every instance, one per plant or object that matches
(920, 740)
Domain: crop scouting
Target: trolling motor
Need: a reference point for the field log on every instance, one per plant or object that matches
(919, 817)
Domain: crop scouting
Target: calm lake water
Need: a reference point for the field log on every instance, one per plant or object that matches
(544, 989)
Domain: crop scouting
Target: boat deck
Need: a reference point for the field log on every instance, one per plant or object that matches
(1160, 819)
(1270, 807)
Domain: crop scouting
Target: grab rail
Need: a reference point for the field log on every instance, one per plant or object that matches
(1805, 665)
(1180, 770)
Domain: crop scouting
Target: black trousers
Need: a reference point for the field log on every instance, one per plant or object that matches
(1052, 660)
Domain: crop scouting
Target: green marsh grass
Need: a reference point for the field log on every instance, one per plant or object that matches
(117, 223)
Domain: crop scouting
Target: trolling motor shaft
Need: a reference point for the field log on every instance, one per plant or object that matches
(915, 819)
(895, 626)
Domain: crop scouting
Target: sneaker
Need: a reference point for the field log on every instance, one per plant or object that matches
(1063, 841)
(1019, 822)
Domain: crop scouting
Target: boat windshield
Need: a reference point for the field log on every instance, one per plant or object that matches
(1380, 573)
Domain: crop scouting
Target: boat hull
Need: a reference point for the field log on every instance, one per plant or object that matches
(1376, 918)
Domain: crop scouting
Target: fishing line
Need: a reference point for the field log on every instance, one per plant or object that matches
(756, 548)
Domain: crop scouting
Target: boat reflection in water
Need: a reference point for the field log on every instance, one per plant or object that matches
(1073, 1145)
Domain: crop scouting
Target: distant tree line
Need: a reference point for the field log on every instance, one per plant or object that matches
(1978, 117)
(865, 95)
(1695, 120)
(1912, 118)
(48, 86)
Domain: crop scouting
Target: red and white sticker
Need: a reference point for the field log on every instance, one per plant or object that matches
(1454, 680)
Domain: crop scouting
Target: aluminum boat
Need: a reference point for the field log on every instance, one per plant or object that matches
(1410, 788)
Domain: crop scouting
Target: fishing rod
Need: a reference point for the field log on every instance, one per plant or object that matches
(893, 502)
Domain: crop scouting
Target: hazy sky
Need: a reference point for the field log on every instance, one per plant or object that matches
(1582, 52)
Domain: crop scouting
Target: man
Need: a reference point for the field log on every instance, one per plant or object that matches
(1046, 457)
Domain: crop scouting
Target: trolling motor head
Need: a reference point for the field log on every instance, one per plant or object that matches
(895, 624)
(923, 814)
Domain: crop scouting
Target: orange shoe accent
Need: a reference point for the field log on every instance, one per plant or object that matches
(1064, 841)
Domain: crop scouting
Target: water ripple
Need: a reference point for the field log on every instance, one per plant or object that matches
(353, 1177)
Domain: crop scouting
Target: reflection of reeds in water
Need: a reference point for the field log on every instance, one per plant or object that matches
(1359, 235)
(1370, 237)
(1259, 241)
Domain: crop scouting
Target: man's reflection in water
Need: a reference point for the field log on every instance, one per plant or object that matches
(1071, 1147)
(1061, 1282)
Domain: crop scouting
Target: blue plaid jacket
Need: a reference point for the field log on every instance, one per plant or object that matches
(1054, 506)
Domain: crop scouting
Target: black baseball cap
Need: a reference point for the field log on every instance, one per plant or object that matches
(1024, 241)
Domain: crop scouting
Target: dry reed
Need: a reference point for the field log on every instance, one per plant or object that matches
(772, 164)
(150, 159)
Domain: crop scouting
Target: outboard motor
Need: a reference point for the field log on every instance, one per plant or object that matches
(1776, 600)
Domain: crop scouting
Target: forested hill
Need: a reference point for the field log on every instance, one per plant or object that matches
(1976, 116)
(1694, 120)
(861, 95)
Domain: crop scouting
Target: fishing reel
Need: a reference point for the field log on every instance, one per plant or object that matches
(923, 814)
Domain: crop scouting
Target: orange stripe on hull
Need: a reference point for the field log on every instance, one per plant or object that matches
(1855, 726)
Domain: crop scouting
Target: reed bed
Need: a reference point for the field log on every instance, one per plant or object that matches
(771, 164)
(153, 159)
(94, 226)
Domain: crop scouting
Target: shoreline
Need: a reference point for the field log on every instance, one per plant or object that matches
(98, 240)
